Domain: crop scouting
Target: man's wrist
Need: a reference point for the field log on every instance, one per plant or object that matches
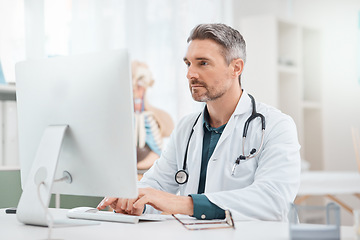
(204, 209)
(187, 206)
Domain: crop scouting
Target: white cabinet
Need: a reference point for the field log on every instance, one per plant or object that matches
(283, 69)
(9, 158)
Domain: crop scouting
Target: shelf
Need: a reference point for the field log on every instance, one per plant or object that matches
(7, 92)
(289, 56)
(9, 168)
(311, 105)
(7, 88)
(289, 69)
(288, 40)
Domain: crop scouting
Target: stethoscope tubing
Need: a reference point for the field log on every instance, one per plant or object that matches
(188, 142)
(181, 176)
(257, 152)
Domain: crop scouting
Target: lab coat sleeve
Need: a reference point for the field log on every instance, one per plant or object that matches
(161, 175)
(276, 178)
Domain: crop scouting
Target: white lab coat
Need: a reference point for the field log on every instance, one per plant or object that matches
(262, 187)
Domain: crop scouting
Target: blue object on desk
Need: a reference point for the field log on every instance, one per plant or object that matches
(314, 222)
(2, 77)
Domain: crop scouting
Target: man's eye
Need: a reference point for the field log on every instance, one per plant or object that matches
(203, 63)
(187, 64)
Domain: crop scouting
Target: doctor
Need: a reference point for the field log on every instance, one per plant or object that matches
(261, 184)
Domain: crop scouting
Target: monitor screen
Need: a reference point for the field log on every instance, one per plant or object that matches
(90, 94)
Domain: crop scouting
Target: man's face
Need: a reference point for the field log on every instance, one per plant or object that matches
(209, 75)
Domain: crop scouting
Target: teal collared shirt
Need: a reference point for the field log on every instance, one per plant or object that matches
(203, 208)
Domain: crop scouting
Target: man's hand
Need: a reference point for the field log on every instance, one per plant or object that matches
(120, 205)
(165, 202)
(162, 201)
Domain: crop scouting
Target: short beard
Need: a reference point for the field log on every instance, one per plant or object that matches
(207, 96)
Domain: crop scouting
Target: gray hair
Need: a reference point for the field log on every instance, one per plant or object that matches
(232, 42)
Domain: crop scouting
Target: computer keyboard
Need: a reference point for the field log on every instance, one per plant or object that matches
(94, 214)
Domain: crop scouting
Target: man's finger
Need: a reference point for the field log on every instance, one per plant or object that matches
(130, 208)
(122, 204)
(140, 203)
(106, 202)
(113, 205)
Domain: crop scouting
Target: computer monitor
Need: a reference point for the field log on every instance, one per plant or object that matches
(75, 119)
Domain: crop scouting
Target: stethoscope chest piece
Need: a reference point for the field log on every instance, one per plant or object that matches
(181, 177)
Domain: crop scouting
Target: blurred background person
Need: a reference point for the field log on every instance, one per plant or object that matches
(151, 124)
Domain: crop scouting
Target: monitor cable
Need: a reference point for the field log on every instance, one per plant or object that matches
(49, 218)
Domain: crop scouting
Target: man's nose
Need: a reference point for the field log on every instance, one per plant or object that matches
(192, 73)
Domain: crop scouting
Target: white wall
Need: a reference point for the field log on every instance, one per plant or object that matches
(340, 25)
(12, 48)
(338, 20)
(155, 32)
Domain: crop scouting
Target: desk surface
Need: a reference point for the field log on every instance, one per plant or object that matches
(11, 229)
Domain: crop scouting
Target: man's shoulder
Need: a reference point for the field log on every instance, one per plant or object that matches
(275, 118)
(273, 114)
(185, 125)
(188, 120)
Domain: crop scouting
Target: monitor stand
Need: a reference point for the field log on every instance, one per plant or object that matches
(35, 198)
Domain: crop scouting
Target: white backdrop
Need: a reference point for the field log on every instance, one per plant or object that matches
(154, 32)
(12, 36)
(339, 22)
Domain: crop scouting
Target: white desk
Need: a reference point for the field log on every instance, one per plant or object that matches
(11, 229)
(329, 183)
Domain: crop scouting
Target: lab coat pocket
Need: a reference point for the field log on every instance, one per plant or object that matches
(246, 169)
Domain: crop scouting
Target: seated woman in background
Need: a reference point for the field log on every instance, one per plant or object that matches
(151, 124)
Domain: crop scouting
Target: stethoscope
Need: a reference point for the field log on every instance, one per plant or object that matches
(181, 176)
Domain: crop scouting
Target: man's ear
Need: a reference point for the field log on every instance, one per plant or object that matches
(238, 66)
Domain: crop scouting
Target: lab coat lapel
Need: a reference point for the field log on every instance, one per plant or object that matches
(241, 108)
(219, 154)
(227, 131)
(194, 157)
